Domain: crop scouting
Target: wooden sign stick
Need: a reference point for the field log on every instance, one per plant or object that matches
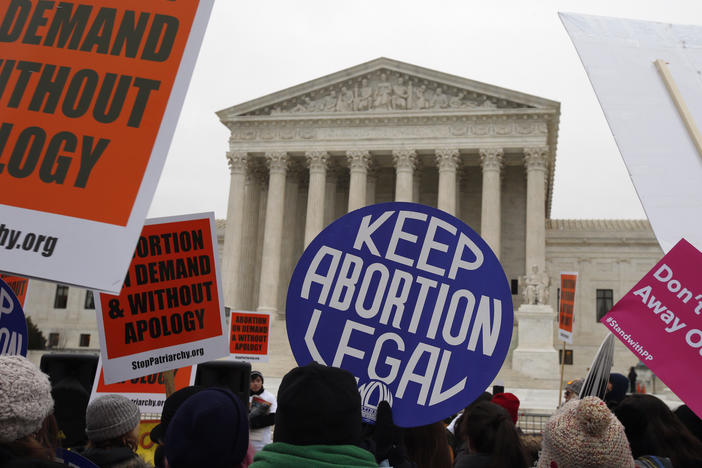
(169, 382)
(667, 77)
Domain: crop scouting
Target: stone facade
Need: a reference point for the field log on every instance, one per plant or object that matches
(610, 256)
(378, 132)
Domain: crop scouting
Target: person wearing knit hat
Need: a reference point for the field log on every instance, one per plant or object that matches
(170, 406)
(572, 389)
(26, 407)
(112, 427)
(318, 421)
(585, 434)
(510, 402)
(210, 429)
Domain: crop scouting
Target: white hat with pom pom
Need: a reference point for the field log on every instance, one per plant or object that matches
(583, 434)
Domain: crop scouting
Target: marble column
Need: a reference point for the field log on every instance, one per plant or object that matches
(491, 159)
(535, 355)
(277, 162)
(371, 179)
(536, 163)
(255, 177)
(314, 220)
(405, 161)
(417, 175)
(260, 229)
(358, 171)
(330, 192)
(296, 173)
(238, 162)
(447, 162)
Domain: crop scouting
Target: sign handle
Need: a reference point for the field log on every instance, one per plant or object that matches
(169, 382)
(667, 77)
(560, 388)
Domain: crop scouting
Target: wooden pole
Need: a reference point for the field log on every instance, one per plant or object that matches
(169, 382)
(685, 114)
(560, 388)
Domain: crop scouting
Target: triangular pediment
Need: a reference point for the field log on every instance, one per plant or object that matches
(385, 85)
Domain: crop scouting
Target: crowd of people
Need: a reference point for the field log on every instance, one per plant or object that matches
(316, 422)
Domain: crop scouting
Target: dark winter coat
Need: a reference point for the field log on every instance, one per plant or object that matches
(115, 457)
(472, 460)
(9, 460)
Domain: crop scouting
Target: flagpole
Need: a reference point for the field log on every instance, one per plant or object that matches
(560, 388)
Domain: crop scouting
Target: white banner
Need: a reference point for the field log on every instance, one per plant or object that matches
(662, 160)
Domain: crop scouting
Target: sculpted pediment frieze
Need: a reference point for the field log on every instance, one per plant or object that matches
(386, 90)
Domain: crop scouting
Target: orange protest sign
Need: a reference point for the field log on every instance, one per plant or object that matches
(148, 391)
(90, 94)
(169, 313)
(85, 85)
(248, 336)
(147, 448)
(19, 286)
(567, 307)
(152, 383)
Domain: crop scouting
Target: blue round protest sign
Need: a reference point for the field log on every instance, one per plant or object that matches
(13, 325)
(410, 300)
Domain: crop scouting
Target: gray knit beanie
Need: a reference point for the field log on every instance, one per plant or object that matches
(25, 398)
(110, 416)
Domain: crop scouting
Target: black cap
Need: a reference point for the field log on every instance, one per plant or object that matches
(173, 402)
(318, 405)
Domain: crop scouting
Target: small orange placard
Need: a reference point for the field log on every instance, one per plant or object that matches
(249, 333)
(565, 314)
(19, 286)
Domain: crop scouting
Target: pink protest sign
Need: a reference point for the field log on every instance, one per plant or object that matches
(659, 321)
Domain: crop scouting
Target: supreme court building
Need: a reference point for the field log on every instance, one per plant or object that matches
(386, 130)
(383, 131)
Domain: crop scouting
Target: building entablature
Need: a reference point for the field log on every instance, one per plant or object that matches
(384, 105)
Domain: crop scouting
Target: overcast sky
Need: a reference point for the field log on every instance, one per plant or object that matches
(252, 49)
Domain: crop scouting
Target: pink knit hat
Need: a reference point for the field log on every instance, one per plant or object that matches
(585, 434)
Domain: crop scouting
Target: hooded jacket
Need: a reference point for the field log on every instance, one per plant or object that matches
(320, 456)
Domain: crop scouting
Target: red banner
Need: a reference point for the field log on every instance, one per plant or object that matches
(19, 285)
(566, 309)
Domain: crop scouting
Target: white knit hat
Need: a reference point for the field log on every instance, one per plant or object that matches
(585, 434)
(25, 398)
(110, 416)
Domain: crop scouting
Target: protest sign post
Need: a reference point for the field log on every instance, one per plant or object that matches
(169, 381)
(411, 301)
(147, 391)
(169, 313)
(13, 325)
(659, 321)
(19, 285)
(90, 96)
(248, 336)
